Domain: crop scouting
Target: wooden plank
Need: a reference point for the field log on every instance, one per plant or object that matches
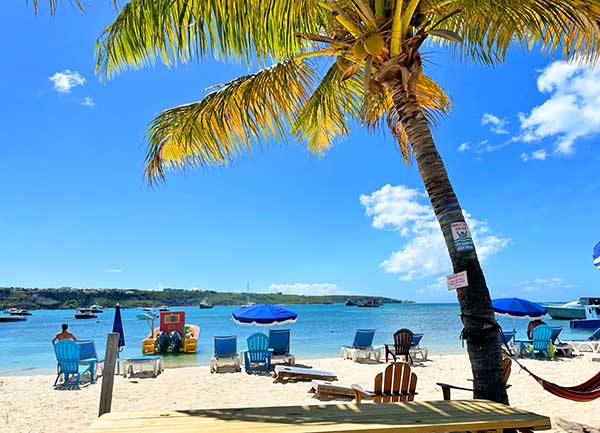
(108, 373)
(415, 417)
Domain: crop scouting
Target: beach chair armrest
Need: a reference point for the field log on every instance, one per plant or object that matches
(446, 385)
(360, 392)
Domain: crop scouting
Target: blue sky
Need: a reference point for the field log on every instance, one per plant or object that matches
(520, 146)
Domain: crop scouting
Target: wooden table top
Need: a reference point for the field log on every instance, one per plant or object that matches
(421, 416)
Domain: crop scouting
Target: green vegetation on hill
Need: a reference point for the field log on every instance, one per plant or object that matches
(67, 298)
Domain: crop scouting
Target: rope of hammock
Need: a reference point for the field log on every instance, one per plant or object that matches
(587, 391)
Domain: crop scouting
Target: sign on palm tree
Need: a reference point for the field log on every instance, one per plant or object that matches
(373, 49)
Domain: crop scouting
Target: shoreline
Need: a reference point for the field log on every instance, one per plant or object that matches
(29, 403)
(51, 370)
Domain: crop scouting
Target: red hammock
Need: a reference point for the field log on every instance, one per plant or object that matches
(587, 391)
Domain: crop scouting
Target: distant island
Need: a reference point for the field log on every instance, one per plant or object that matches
(72, 298)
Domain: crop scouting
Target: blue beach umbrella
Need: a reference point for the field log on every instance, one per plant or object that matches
(596, 256)
(518, 308)
(118, 327)
(264, 315)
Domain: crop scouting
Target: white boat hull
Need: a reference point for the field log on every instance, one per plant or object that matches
(559, 312)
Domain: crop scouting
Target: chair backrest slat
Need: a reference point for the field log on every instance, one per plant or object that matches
(403, 339)
(258, 347)
(541, 337)
(67, 355)
(396, 383)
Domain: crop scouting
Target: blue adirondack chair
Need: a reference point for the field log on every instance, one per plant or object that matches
(89, 356)
(542, 339)
(67, 356)
(279, 342)
(225, 353)
(258, 352)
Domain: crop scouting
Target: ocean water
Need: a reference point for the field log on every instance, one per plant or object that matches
(25, 347)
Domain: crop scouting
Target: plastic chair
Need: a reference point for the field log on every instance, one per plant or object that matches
(279, 342)
(225, 353)
(258, 352)
(67, 355)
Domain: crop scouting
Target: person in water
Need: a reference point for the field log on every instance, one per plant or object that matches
(64, 334)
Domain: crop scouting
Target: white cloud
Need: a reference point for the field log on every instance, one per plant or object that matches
(440, 286)
(307, 289)
(543, 284)
(424, 255)
(497, 125)
(572, 110)
(88, 102)
(464, 146)
(64, 81)
(115, 271)
(539, 155)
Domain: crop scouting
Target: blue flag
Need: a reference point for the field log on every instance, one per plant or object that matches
(597, 255)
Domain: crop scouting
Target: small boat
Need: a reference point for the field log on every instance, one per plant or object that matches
(205, 305)
(248, 303)
(12, 319)
(172, 336)
(350, 303)
(97, 308)
(592, 318)
(163, 308)
(374, 302)
(571, 310)
(85, 313)
(18, 312)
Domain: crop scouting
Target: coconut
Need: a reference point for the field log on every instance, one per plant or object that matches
(359, 52)
(374, 44)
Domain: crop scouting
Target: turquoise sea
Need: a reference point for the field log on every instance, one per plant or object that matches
(25, 347)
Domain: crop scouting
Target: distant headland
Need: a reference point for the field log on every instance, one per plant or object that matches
(71, 298)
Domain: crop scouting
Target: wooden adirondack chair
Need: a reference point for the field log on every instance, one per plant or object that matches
(402, 344)
(396, 383)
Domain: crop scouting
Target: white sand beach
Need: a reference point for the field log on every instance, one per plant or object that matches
(30, 404)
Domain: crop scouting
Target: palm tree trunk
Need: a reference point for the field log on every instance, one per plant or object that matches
(476, 306)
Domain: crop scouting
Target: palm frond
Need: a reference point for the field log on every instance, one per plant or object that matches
(53, 5)
(183, 30)
(489, 27)
(324, 116)
(228, 121)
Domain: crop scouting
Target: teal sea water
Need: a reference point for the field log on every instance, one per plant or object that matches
(320, 331)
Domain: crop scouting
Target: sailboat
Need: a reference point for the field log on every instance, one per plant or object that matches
(248, 303)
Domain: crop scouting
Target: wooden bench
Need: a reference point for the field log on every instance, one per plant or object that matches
(414, 417)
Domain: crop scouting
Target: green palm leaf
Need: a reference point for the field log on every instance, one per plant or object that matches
(250, 109)
(182, 30)
(324, 116)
